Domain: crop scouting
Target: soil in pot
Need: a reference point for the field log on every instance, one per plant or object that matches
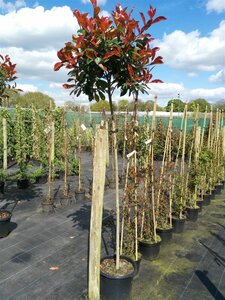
(2, 187)
(166, 234)
(23, 183)
(116, 284)
(178, 224)
(80, 195)
(192, 213)
(150, 249)
(5, 217)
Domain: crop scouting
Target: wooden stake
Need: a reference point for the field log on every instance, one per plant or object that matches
(4, 124)
(99, 172)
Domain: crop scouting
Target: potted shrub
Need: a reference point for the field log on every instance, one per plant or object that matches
(114, 53)
(5, 217)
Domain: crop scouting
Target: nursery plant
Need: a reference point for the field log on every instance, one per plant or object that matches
(109, 53)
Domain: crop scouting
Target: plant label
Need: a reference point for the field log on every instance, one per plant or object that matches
(83, 127)
(148, 141)
(131, 153)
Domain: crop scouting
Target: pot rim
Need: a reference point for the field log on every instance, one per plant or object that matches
(129, 259)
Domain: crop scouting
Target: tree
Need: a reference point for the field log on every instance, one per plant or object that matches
(35, 99)
(7, 76)
(106, 54)
(70, 105)
(102, 105)
(123, 105)
(178, 105)
(220, 105)
(202, 104)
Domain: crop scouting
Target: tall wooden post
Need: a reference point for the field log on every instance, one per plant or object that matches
(99, 170)
(4, 125)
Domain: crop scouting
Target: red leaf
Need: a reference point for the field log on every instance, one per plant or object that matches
(143, 18)
(57, 66)
(156, 81)
(131, 71)
(94, 3)
(68, 86)
(158, 60)
(151, 12)
(158, 19)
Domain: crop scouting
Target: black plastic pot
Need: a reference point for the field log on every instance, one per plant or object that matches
(199, 204)
(42, 179)
(166, 234)
(213, 194)
(137, 264)
(23, 183)
(80, 195)
(178, 225)
(149, 251)
(116, 287)
(192, 213)
(5, 223)
(47, 207)
(206, 199)
(218, 188)
(2, 187)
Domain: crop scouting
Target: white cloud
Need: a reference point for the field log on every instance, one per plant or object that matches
(98, 1)
(11, 6)
(192, 53)
(37, 28)
(27, 87)
(218, 77)
(215, 5)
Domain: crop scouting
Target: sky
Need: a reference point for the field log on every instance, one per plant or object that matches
(191, 41)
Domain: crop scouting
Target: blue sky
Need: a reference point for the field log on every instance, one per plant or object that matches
(192, 42)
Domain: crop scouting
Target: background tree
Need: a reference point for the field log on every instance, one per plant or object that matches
(178, 105)
(220, 105)
(123, 105)
(102, 105)
(202, 104)
(32, 99)
(72, 106)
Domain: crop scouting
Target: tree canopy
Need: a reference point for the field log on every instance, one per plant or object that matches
(29, 99)
(178, 105)
(202, 104)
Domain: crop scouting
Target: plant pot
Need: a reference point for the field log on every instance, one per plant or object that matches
(42, 179)
(192, 213)
(23, 183)
(5, 217)
(149, 251)
(206, 199)
(115, 287)
(213, 194)
(218, 188)
(166, 234)
(199, 204)
(65, 200)
(2, 187)
(80, 195)
(137, 264)
(178, 225)
(47, 207)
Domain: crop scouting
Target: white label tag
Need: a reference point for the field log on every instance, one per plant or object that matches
(83, 127)
(148, 141)
(102, 123)
(125, 138)
(131, 153)
(47, 130)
